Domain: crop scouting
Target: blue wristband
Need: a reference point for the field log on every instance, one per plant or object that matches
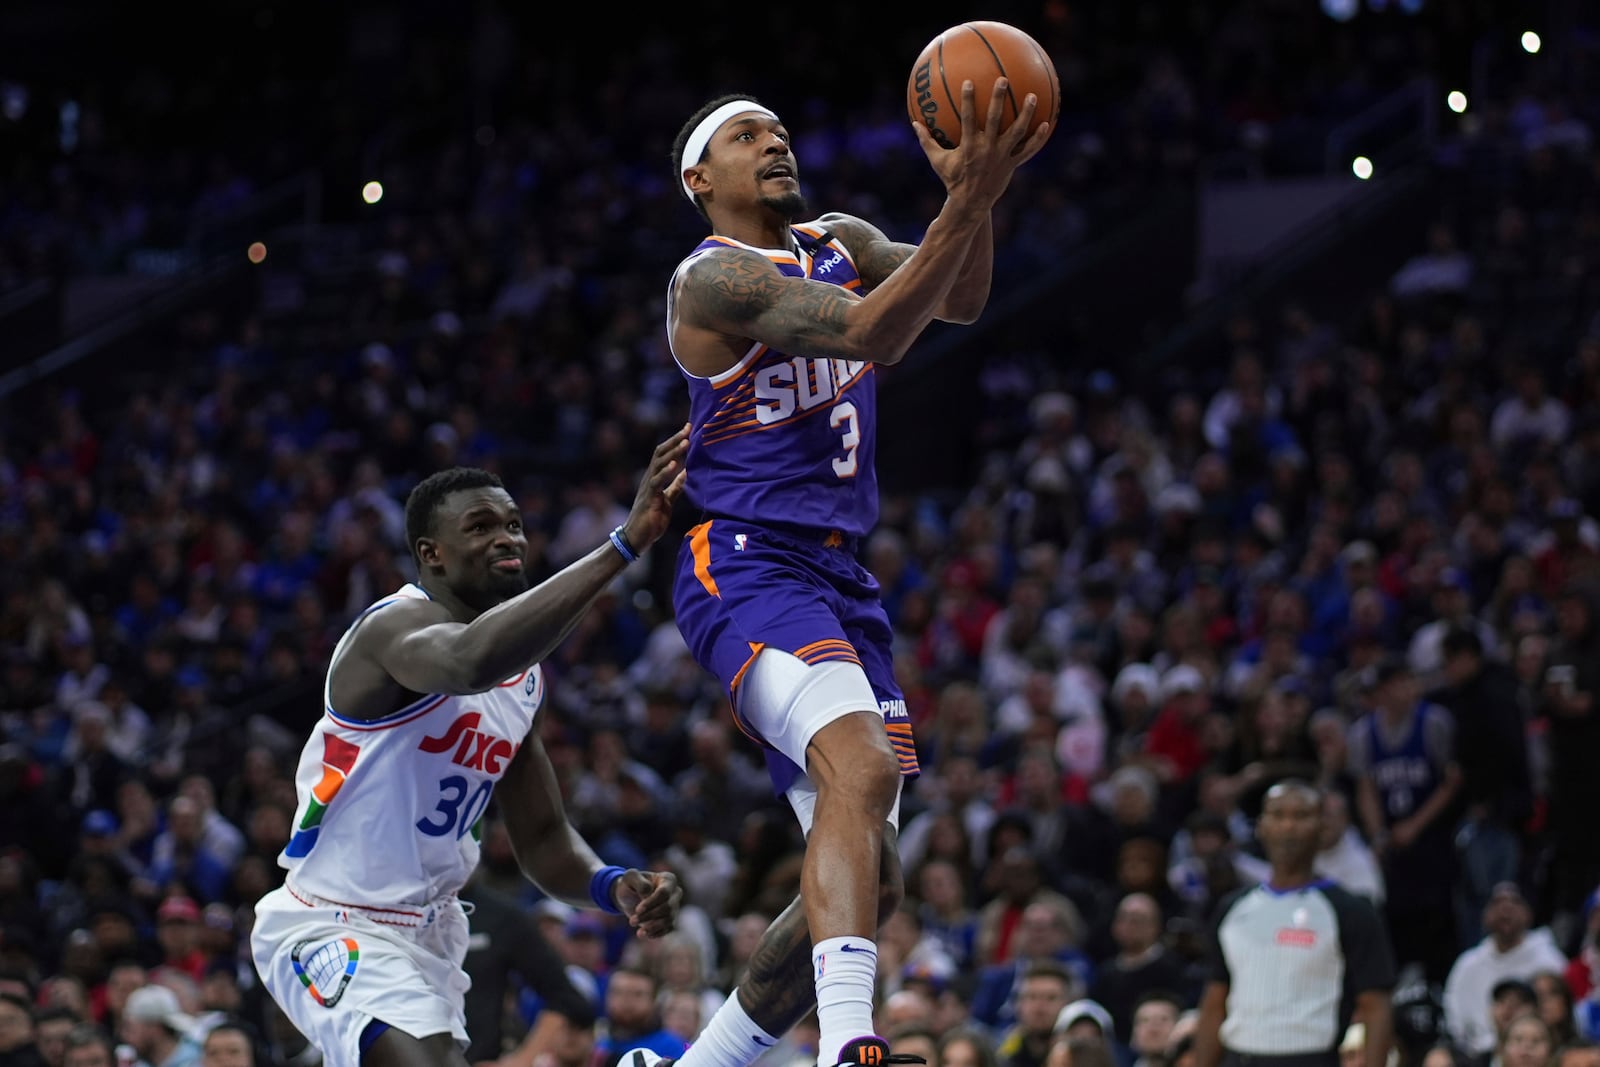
(602, 882)
(620, 541)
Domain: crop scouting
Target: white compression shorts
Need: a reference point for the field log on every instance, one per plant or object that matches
(787, 701)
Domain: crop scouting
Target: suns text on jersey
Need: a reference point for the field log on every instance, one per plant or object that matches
(800, 384)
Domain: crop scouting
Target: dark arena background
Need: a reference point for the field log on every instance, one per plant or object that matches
(1286, 401)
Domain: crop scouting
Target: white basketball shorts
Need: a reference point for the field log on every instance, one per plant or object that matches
(333, 968)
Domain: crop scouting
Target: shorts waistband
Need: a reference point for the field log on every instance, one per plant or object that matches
(410, 917)
(806, 535)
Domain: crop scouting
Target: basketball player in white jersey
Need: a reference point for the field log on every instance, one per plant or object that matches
(430, 703)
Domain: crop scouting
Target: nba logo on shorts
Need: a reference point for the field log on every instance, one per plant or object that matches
(326, 967)
(738, 542)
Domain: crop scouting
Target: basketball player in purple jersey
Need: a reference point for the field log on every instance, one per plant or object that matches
(777, 326)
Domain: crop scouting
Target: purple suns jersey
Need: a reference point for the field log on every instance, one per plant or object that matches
(782, 439)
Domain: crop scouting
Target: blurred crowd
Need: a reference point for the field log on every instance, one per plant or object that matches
(1368, 554)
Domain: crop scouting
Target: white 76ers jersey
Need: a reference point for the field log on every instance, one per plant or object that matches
(387, 807)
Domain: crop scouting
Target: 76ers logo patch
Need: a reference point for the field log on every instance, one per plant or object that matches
(326, 967)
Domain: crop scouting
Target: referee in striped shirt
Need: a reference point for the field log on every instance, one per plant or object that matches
(1296, 960)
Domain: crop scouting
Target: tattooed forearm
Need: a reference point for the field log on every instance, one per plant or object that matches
(881, 259)
(743, 293)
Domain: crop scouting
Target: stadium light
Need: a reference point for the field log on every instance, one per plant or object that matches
(1361, 167)
(1531, 42)
(1456, 101)
(372, 192)
(256, 252)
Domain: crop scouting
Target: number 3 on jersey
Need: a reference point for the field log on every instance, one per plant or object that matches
(452, 813)
(844, 414)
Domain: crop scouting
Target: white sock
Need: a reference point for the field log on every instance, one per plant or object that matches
(847, 976)
(730, 1039)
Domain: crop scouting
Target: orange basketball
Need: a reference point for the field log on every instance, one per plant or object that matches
(980, 52)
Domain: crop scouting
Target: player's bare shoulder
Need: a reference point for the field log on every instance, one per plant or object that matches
(360, 679)
(874, 254)
(379, 634)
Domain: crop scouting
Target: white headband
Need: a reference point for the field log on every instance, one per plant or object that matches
(695, 146)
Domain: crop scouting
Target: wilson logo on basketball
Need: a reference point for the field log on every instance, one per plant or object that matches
(474, 750)
(1297, 938)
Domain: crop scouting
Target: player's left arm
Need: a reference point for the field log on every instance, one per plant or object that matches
(556, 858)
(876, 257)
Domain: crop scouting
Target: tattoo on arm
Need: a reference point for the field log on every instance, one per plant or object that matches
(744, 294)
(779, 990)
(880, 259)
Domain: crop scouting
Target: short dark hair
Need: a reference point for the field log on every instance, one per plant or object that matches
(252, 1036)
(1047, 968)
(54, 1011)
(85, 1034)
(1164, 996)
(642, 972)
(680, 142)
(422, 505)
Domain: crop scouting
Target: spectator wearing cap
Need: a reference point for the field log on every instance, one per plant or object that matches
(1083, 1037)
(1509, 950)
(1133, 701)
(178, 933)
(158, 1029)
(1496, 778)
(1174, 746)
(1407, 781)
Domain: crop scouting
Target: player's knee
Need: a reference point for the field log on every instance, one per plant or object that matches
(853, 763)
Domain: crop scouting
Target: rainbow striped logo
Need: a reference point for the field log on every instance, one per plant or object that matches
(326, 967)
(338, 759)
